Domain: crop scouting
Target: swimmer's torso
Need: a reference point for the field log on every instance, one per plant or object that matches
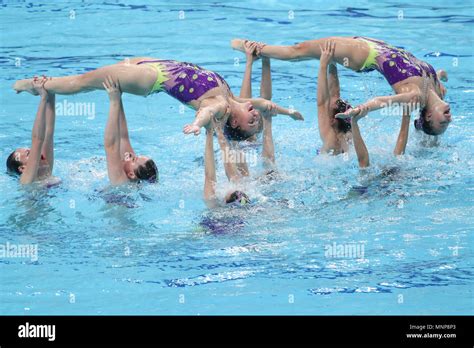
(398, 66)
(186, 82)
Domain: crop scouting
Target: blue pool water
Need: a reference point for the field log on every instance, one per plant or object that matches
(158, 249)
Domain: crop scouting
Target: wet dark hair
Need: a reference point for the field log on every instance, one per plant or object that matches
(422, 124)
(147, 172)
(13, 165)
(238, 197)
(236, 133)
(343, 126)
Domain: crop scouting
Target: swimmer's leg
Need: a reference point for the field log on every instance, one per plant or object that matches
(349, 52)
(134, 79)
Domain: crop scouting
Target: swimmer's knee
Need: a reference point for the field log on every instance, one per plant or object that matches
(299, 49)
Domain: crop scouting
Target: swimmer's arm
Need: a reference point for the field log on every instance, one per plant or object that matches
(48, 145)
(30, 173)
(112, 136)
(326, 131)
(241, 164)
(268, 152)
(229, 167)
(274, 109)
(403, 135)
(333, 82)
(410, 99)
(204, 116)
(266, 82)
(125, 145)
(246, 88)
(359, 144)
(209, 168)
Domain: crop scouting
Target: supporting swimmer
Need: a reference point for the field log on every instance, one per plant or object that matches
(334, 132)
(210, 180)
(414, 81)
(122, 163)
(36, 163)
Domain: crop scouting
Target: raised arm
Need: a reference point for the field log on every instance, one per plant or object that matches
(403, 135)
(230, 168)
(359, 144)
(333, 82)
(30, 173)
(268, 152)
(113, 135)
(48, 145)
(246, 89)
(209, 169)
(326, 130)
(125, 145)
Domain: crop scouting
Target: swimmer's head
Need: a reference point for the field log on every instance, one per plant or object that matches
(340, 106)
(140, 168)
(243, 122)
(434, 120)
(18, 159)
(238, 197)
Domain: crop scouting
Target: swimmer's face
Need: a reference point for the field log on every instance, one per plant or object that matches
(238, 197)
(22, 155)
(340, 106)
(439, 116)
(247, 118)
(132, 162)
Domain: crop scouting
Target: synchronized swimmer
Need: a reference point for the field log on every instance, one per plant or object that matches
(415, 82)
(233, 119)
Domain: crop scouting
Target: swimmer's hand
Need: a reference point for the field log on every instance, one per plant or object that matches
(327, 53)
(113, 88)
(38, 86)
(191, 128)
(250, 50)
(296, 115)
(357, 113)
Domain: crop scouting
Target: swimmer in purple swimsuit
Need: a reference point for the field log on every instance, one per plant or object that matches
(35, 164)
(201, 89)
(234, 170)
(416, 84)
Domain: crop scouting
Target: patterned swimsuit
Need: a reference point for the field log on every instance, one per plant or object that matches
(181, 80)
(394, 63)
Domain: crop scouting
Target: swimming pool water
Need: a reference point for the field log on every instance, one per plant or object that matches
(158, 249)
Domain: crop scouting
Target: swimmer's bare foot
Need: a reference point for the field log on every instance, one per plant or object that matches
(239, 45)
(24, 86)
